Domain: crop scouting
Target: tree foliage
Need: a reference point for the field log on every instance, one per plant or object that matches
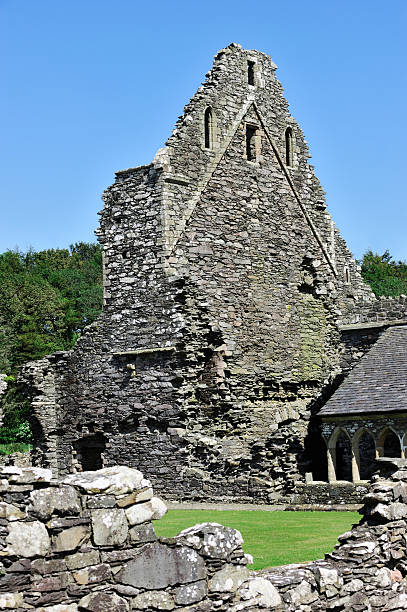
(385, 275)
(46, 299)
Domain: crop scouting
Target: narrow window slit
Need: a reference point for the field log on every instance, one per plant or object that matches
(250, 72)
(208, 128)
(289, 147)
(250, 143)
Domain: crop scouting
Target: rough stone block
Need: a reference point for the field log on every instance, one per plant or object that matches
(109, 526)
(93, 574)
(141, 513)
(191, 593)
(28, 539)
(142, 533)
(63, 500)
(158, 566)
(103, 602)
(11, 512)
(11, 600)
(217, 541)
(159, 600)
(134, 498)
(228, 579)
(117, 480)
(70, 539)
(79, 560)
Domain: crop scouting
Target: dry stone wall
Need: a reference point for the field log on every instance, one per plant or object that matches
(87, 542)
(225, 281)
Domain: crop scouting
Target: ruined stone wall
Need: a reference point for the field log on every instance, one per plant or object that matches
(88, 543)
(224, 281)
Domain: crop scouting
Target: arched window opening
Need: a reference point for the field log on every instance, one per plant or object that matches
(346, 274)
(343, 458)
(89, 452)
(208, 128)
(250, 72)
(391, 445)
(367, 456)
(289, 147)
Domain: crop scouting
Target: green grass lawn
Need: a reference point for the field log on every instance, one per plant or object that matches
(273, 538)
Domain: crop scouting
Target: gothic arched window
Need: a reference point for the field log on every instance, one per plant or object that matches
(208, 128)
(289, 147)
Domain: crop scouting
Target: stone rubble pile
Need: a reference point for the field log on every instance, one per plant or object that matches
(87, 542)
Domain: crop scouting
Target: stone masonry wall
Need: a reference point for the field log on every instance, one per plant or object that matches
(87, 543)
(225, 281)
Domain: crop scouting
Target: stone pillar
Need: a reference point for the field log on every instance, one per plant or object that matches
(355, 464)
(331, 464)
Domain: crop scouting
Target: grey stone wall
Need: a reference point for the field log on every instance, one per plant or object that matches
(87, 542)
(225, 281)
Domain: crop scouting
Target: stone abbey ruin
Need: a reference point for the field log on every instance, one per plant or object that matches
(235, 320)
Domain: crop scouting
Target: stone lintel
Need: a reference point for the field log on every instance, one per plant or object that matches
(144, 351)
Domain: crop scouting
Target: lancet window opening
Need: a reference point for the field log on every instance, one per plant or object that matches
(289, 147)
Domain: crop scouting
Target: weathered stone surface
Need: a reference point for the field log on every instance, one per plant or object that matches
(142, 533)
(217, 541)
(60, 608)
(134, 498)
(69, 539)
(302, 594)
(391, 512)
(93, 574)
(157, 600)
(256, 592)
(191, 593)
(79, 560)
(26, 475)
(100, 501)
(41, 566)
(151, 510)
(10, 512)
(117, 480)
(62, 500)
(103, 602)
(228, 579)
(158, 566)
(109, 526)
(27, 539)
(11, 600)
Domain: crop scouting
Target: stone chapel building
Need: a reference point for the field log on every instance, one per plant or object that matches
(233, 309)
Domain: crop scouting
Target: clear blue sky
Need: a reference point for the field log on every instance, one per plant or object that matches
(94, 86)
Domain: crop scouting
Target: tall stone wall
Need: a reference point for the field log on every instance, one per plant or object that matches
(225, 281)
(88, 543)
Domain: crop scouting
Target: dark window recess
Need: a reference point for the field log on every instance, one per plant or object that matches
(89, 450)
(347, 275)
(208, 128)
(250, 143)
(250, 72)
(289, 147)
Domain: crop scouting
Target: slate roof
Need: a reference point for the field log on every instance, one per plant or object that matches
(378, 383)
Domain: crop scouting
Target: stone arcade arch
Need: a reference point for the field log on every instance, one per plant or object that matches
(364, 450)
(341, 459)
(388, 444)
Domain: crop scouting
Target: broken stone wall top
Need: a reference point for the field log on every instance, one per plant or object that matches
(87, 542)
